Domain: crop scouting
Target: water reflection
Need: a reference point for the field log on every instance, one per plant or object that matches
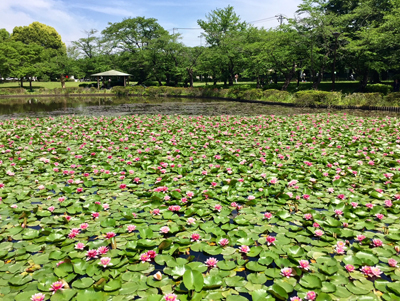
(97, 106)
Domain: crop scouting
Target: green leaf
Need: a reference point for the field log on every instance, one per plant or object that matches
(310, 281)
(83, 283)
(112, 285)
(193, 280)
(278, 292)
(63, 295)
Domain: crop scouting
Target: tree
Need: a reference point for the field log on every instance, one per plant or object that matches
(219, 23)
(316, 27)
(225, 33)
(4, 35)
(46, 37)
(133, 38)
(20, 60)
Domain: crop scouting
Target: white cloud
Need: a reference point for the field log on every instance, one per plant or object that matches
(72, 17)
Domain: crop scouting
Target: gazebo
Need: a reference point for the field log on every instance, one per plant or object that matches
(110, 73)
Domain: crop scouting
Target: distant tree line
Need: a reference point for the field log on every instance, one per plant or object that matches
(362, 37)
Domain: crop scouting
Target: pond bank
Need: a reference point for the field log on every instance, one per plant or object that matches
(263, 102)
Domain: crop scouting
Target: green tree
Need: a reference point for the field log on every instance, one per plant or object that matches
(46, 37)
(226, 35)
(4, 35)
(20, 60)
(136, 39)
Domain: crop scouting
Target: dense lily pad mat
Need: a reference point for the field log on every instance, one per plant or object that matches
(200, 208)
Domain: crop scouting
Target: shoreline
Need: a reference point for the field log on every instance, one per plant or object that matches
(338, 107)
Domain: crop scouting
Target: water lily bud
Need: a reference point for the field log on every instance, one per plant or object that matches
(397, 249)
(158, 276)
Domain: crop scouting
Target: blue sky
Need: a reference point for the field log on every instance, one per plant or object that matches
(71, 17)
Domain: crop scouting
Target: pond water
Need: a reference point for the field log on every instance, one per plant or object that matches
(109, 106)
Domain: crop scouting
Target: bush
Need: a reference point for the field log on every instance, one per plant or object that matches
(363, 99)
(312, 97)
(277, 95)
(379, 88)
(137, 90)
(10, 91)
(119, 90)
(253, 94)
(393, 98)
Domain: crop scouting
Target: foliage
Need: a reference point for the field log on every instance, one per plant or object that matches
(312, 97)
(205, 208)
(380, 88)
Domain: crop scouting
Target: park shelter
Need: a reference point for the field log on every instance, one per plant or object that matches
(110, 73)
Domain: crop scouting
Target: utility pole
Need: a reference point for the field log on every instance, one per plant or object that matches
(280, 18)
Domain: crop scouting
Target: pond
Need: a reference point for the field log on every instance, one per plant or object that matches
(116, 106)
(169, 207)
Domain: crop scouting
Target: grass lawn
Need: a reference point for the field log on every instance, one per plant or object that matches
(39, 85)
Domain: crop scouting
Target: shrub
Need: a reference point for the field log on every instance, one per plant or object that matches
(119, 90)
(312, 97)
(137, 90)
(393, 98)
(9, 91)
(379, 88)
(253, 94)
(173, 91)
(193, 92)
(363, 99)
(277, 95)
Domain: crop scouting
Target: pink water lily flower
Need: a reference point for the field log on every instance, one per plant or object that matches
(79, 246)
(164, 230)
(105, 262)
(244, 249)
(270, 240)
(287, 272)
(311, 296)
(377, 242)
(51, 208)
(393, 263)
(218, 207)
(145, 258)
(349, 267)
(38, 297)
(102, 250)
(304, 264)
(131, 228)
(171, 297)
(308, 216)
(295, 298)
(110, 235)
(152, 254)
(91, 254)
(223, 242)
(84, 226)
(55, 286)
(319, 233)
(195, 237)
(156, 212)
(211, 262)
(191, 221)
(268, 215)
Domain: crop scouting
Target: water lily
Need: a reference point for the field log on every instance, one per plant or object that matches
(244, 249)
(319, 233)
(270, 240)
(195, 237)
(211, 262)
(311, 295)
(38, 297)
(164, 230)
(171, 297)
(102, 250)
(105, 262)
(79, 246)
(158, 276)
(145, 258)
(218, 207)
(268, 215)
(287, 272)
(223, 242)
(393, 263)
(91, 254)
(304, 264)
(350, 268)
(55, 286)
(191, 221)
(130, 228)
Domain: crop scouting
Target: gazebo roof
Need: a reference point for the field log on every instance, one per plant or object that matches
(111, 73)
